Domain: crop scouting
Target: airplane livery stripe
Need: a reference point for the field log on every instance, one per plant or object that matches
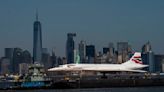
(137, 56)
(136, 61)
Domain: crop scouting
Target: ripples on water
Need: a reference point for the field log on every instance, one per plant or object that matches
(126, 89)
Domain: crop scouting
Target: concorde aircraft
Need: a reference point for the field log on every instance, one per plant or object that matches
(133, 65)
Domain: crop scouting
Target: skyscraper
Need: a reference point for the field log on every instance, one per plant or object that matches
(17, 59)
(146, 47)
(37, 41)
(90, 53)
(151, 61)
(54, 58)
(9, 55)
(9, 52)
(82, 51)
(112, 55)
(26, 57)
(46, 58)
(149, 57)
(111, 49)
(105, 50)
(122, 48)
(5, 65)
(70, 45)
(158, 58)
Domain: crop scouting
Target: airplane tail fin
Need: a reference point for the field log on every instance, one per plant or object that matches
(135, 59)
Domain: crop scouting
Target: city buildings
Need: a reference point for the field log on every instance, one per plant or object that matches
(70, 46)
(14, 57)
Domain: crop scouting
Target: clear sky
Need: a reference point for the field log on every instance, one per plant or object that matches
(96, 21)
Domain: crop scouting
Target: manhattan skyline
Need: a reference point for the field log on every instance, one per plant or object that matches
(98, 22)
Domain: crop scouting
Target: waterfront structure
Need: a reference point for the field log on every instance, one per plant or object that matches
(70, 46)
(35, 76)
(82, 51)
(90, 53)
(37, 41)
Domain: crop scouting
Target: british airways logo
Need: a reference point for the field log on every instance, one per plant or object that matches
(137, 59)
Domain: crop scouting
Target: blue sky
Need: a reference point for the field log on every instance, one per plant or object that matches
(96, 21)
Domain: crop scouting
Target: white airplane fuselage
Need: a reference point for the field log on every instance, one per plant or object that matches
(132, 65)
(98, 67)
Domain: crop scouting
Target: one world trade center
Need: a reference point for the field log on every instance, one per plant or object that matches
(37, 41)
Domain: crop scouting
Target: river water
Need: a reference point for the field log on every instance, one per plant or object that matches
(124, 89)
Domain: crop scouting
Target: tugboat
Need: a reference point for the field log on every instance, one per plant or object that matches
(36, 78)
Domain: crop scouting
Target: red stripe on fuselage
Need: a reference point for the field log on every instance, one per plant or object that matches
(137, 56)
(136, 61)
